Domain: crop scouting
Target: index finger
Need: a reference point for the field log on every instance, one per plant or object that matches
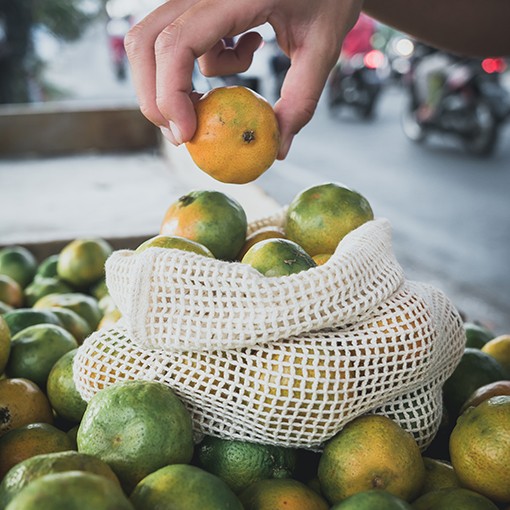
(193, 33)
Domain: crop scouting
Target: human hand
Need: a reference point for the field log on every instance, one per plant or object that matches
(163, 47)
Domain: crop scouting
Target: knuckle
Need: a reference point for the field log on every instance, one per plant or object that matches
(151, 113)
(169, 38)
(133, 41)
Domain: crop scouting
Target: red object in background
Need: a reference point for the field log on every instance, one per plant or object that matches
(374, 59)
(493, 65)
(359, 38)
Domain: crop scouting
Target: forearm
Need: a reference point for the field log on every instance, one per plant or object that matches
(468, 27)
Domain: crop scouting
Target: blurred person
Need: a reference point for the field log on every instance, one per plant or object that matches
(359, 38)
(163, 47)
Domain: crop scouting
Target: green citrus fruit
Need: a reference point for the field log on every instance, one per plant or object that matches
(475, 369)
(29, 440)
(72, 322)
(4, 308)
(281, 494)
(35, 350)
(33, 468)
(5, 344)
(99, 290)
(480, 448)
(22, 318)
(373, 499)
(48, 267)
(11, 292)
(81, 262)
(176, 242)
(183, 487)
(240, 463)
(453, 499)
(18, 263)
(211, 218)
(371, 452)
(42, 286)
(477, 335)
(84, 305)
(136, 427)
(319, 217)
(22, 402)
(278, 257)
(439, 474)
(499, 348)
(71, 490)
(263, 233)
(61, 389)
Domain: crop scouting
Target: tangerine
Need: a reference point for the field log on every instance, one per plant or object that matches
(237, 137)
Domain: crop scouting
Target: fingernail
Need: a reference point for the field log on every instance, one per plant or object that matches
(176, 132)
(168, 135)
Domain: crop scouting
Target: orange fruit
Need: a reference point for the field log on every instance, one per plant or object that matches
(485, 392)
(268, 232)
(19, 263)
(35, 350)
(62, 392)
(321, 258)
(81, 262)
(30, 440)
(42, 286)
(373, 499)
(71, 490)
(439, 474)
(5, 344)
(480, 448)
(136, 427)
(499, 348)
(319, 217)
(237, 137)
(455, 498)
(477, 335)
(33, 468)
(241, 463)
(278, 257)
(176, 242)
(22, 402)
(281, 494)
(371, 452)
(11, 292)
(183, 487)
(210, 218)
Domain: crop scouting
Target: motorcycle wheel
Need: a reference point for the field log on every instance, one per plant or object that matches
(483, 141)
(411, 127)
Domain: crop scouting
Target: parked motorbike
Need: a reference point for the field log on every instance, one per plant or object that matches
(472, 104)
(357, 83)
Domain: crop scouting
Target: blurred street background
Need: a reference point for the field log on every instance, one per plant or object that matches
(449, 208)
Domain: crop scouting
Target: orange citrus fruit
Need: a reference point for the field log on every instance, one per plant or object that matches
(319, 217)
(11, 292)
(183, 487)
(71, 490)
(268, 232)
(371, 452)
(281, 494)
(237, 136)
(30, 440)
(175, 242)
(136, 427)
(5, 344)
(22, 402)
(485, 392)
(499, 348)
(210, 218)
(480, 448)
(241, 463)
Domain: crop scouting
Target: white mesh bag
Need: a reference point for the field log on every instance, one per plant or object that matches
(299, 391)
(176, 300)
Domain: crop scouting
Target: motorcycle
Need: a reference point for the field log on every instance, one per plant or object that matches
(472, 105)
(357, 83)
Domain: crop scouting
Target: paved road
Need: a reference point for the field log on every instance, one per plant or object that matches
(450, 213)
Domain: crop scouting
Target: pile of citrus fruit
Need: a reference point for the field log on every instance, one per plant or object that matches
(132, 446)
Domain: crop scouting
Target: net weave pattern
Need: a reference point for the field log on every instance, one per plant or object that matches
(178, 300)
(385, 344)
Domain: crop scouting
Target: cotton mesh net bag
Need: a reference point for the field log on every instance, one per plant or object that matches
(285, 360)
